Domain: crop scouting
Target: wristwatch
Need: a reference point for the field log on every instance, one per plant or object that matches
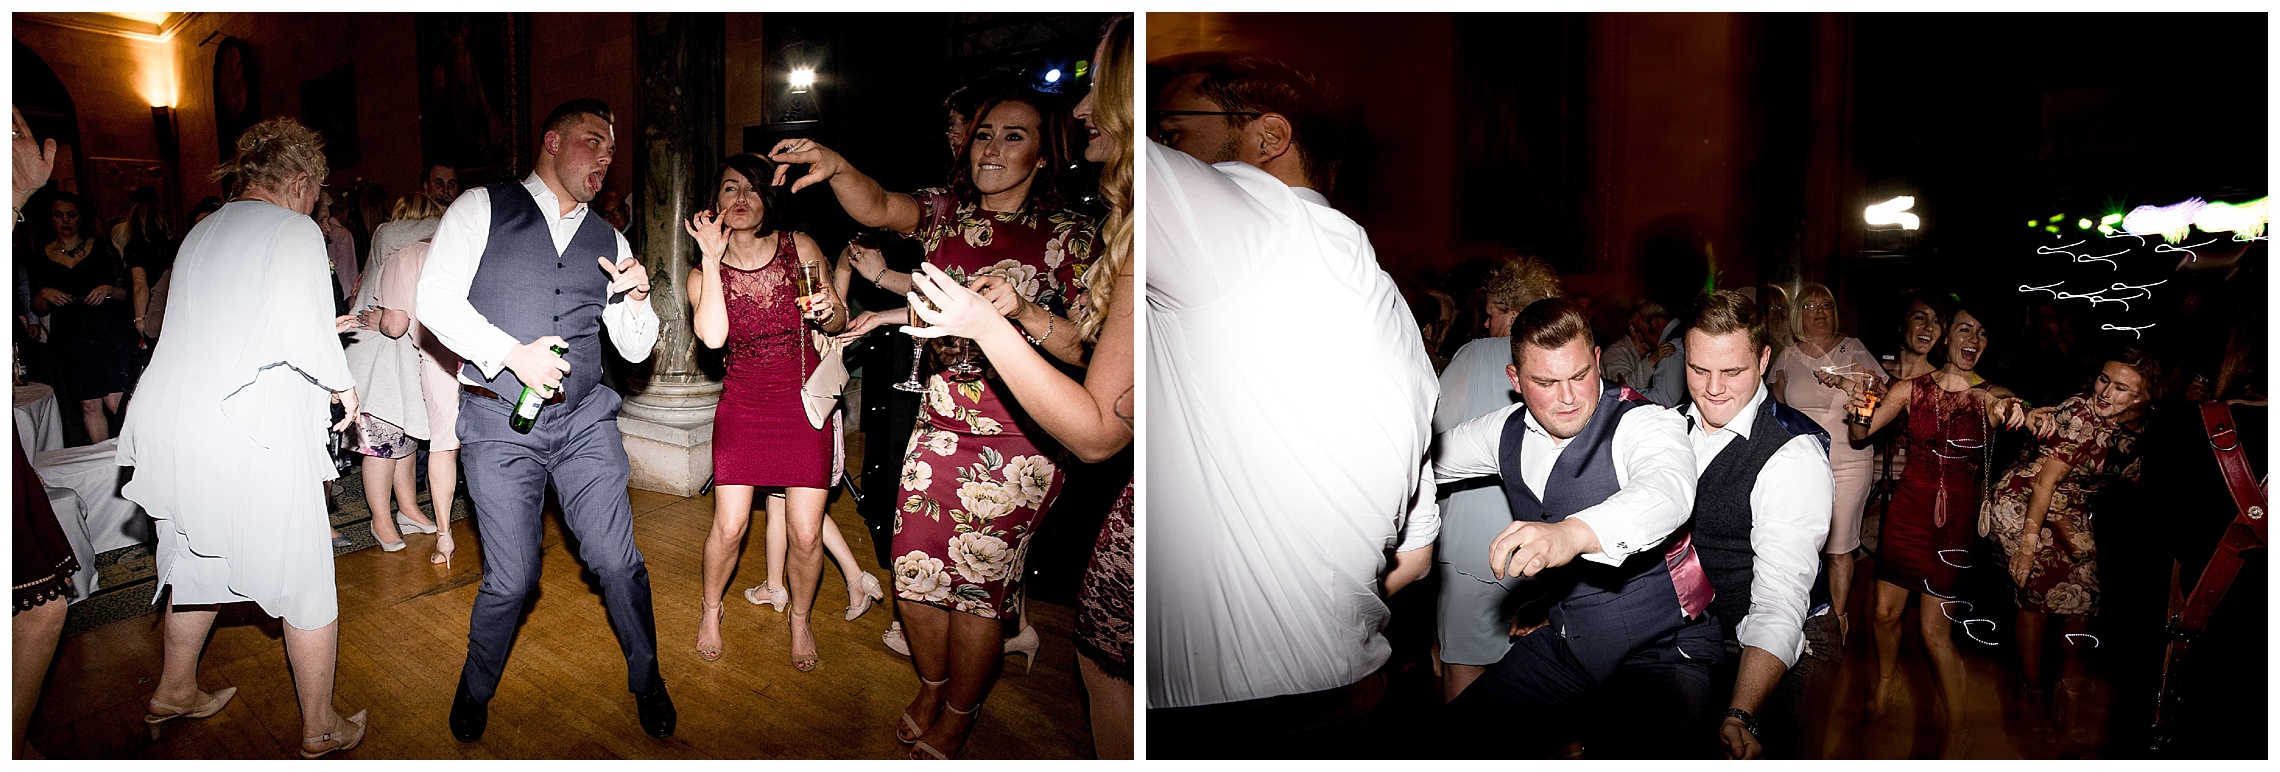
(1749, 722)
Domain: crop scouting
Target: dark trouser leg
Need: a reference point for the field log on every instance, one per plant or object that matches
(590, 477)
(507, 481)
(1658, 703)
(1512, 711)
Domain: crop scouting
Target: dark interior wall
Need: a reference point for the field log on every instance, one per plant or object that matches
(571, 55)
(576, 55)
(1397, 73)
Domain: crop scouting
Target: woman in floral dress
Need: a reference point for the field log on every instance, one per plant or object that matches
(2090, 442)
(1926, 539)
(977, 474)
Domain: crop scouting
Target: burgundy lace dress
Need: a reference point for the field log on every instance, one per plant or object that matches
(1104, 603)
(761, 435)
(977, 476)
(1935, 511)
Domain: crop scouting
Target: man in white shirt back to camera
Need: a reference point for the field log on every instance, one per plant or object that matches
(1761, 513)
(1289, 401)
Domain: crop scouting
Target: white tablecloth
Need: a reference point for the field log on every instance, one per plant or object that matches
(39, 421)
(68, 514)
(92, 472)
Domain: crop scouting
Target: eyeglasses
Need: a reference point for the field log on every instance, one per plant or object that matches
(1820, 306)
(1158, 116)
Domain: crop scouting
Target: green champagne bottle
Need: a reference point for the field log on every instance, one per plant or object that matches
(526, 408)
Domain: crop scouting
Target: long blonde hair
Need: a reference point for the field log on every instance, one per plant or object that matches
(1112, 112)
(414, 206)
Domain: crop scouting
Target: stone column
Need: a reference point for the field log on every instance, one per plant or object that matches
(668, 423)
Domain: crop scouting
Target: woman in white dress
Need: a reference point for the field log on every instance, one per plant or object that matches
(1811, 376)
(387, 373)
(227, 437)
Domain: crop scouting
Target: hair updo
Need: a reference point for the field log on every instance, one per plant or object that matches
(271, 152)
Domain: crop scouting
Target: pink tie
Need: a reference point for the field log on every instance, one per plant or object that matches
(1694, 591)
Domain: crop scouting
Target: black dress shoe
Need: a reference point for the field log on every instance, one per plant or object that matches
(468, 715)
(657, 715)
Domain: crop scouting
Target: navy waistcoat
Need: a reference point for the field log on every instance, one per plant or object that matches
(1605, 612)
(527, 289)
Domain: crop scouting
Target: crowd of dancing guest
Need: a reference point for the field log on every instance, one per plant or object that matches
(424, 340)
(1648, 515)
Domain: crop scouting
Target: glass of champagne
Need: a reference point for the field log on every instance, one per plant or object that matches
(809, 282)
(917, 353)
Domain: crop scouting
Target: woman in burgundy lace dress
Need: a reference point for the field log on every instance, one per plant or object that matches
(977, 475)
(1927, 533)
(746, 294)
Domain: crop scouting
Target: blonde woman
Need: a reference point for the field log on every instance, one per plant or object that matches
(227, 435)
(1814, 376)
(402, 243)
(387, 371)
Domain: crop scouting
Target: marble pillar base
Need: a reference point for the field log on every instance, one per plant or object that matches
(668, 430)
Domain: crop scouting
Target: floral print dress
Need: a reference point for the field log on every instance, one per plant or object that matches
(2097, 452)
(977, 476)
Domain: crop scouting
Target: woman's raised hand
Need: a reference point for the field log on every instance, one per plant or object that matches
(999, 293)
(711, 234)
(866, 261)
(964, 313)
(822, 163)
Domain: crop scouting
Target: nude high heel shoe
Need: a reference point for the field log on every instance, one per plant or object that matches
(385, 546)
(153, 718)
(911, 724)
(778, 597)
(338, 739)
(868, 590)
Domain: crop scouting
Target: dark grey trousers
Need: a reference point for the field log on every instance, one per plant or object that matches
(578, 451)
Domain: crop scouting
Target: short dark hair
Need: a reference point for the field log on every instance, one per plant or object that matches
(1726, 311)
(568, 113)
(429, 170)
(1549, 324)
(1240, 82)
(759, 172)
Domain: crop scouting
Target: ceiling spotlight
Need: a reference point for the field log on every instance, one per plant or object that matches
(1894, 212)
(803, 79)
(1053, 75)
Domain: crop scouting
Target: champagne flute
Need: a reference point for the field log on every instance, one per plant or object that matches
(917, 353)
(809, 284)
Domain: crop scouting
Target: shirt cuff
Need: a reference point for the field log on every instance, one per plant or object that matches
(1609, 553)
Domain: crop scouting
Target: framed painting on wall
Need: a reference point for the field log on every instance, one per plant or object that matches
(328, 104)
(237, 93)
(475, 93)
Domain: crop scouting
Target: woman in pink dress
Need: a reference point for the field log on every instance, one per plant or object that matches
(746, 295)
(978, 474)
(1812, 375)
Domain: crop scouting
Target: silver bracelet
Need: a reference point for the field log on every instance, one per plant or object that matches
(1039, 340)
(877, 279)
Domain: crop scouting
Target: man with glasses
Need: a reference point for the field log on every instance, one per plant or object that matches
(1285, 508)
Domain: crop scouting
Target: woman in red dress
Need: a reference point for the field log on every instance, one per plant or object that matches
(746, 294)
(1927, 533)
(977, 475)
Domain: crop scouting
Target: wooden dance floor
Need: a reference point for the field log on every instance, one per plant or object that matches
(404, 635)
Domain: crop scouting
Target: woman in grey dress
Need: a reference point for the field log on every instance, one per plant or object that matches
(1474, 608)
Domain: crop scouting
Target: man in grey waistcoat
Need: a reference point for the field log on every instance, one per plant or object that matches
(515, 270)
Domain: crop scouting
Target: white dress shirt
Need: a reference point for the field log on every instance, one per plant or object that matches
(1654, 465)
(1789, 521)
(1289, 401)
(457, 250)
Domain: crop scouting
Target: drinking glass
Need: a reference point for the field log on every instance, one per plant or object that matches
(917, 354)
